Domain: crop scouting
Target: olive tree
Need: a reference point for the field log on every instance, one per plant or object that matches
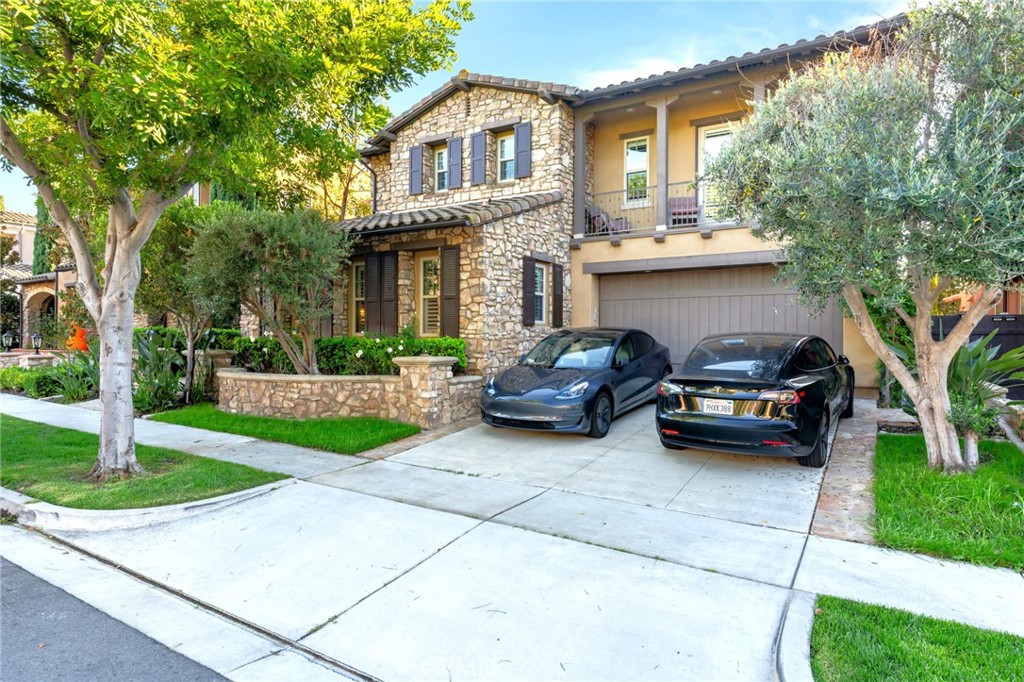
(891, 171)
(116, 109)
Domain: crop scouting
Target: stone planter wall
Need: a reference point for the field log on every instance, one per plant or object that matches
(425, 393)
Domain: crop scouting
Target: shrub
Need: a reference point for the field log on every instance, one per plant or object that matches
(348, 354)
(172, 337)
(224, 339)
(158, 371)
(12, 378)
(40, 382)
(78, 375)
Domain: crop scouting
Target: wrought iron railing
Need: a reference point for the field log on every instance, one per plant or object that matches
(689, 204)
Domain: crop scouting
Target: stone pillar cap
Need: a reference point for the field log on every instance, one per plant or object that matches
(425, 360)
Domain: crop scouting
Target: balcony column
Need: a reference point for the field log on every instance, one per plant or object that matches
(579, 174)
(660, 106)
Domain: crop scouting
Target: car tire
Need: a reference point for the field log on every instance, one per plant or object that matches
(600, 416)
(848, 410)
(819, 455)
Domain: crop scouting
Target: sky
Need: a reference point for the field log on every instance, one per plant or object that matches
(594, 44)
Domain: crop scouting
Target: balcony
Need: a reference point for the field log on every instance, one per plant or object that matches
(636, 210)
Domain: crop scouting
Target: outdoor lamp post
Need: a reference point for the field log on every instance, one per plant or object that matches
(37, 341)
(8, 339)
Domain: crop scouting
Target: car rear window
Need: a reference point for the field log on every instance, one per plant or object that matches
(751, 356)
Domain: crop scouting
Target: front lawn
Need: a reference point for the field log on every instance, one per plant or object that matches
(971, 517)
(51, 464)
(855, 641)
(347, 435)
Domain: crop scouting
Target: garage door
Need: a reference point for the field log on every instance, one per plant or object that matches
(681, 307)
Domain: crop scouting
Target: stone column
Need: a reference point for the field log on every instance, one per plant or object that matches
(579, 175)
(425, 395)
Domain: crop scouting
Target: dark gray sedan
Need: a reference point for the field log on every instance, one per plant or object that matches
(577, 380)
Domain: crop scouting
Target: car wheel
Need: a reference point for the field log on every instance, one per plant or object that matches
(819, 455)
(848, 410)
(600, 416)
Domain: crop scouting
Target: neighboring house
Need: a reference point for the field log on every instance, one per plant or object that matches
(506, 208)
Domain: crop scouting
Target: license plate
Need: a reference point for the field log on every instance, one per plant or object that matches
(716, 406)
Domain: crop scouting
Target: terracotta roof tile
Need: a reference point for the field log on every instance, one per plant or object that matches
(17, 218)
(470, 214)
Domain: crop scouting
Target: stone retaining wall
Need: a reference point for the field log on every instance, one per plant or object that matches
(424, 393)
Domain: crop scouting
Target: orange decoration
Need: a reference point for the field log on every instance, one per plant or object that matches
(77, 339)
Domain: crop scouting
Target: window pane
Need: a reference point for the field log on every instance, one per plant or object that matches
(636, 155)
(359, 281)
(441, 159)
(360, 325)
(431, 316)
(505, 148)
(431, 283)
(540, 289)
(507, 170)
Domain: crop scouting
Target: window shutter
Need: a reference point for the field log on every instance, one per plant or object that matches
(523, 149)
(371, 294)
(455, 163)
(529, 291)
(450, 272)
(556, 295)
(416, 170)
(389, 293)
(477, 158)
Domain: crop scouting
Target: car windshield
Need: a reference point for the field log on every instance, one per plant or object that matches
(759, 357)
(578, 351)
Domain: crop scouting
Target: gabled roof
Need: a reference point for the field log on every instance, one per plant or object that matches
(471, 213)
(553, 92)
(767, 55)
(17, 218)
(463, 81)
(44, 276)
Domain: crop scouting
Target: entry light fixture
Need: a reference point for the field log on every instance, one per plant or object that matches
(37, 341)
(8, 340)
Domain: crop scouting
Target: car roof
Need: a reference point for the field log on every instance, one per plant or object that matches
(773, 335)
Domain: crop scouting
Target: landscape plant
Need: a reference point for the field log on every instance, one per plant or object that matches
(894, 170)
(158, 372)
(115, 110)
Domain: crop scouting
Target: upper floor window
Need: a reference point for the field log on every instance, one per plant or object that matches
(506, 156)
(711, 141)
(636, 164)
(440, 169)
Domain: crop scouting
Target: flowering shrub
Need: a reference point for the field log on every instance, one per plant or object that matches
(347, 354)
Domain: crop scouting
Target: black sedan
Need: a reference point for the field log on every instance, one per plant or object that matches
(758, 394)
(577, 380)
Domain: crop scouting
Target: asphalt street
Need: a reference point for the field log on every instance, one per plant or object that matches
(48, 635)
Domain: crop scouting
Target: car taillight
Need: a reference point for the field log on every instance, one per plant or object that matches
(668, 388)
(783, 397)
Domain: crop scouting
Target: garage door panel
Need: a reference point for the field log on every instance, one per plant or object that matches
(681, 307)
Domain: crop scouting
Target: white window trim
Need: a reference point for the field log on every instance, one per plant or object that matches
(635, 203)
(443, 170)
(352, 299)
(702, 135)
(498, 139)
(421, 259)
(545, 270)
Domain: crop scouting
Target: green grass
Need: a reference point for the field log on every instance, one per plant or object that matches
(855, 641)
(975, 517)
(347, 435)
(51, 464)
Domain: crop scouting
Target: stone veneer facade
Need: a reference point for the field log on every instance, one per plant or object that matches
(424, 393)
(491, 255)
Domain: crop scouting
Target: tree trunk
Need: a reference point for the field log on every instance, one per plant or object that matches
(933, 413)
(971, 450)
(190, 364)
(116, 457)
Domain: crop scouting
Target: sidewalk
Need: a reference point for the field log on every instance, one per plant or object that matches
(479, 578)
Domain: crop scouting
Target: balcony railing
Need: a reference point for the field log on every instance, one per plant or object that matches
(636, 209)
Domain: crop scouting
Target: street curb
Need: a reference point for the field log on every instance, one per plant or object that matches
(46, 516)
(793, 652)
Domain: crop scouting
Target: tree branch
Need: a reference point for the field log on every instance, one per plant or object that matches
(855, 299)
(88, 285)
(961, 331)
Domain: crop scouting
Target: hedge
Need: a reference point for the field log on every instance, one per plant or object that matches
(347, 354)
(222, 338)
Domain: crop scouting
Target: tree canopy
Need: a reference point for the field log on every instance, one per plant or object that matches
(115, 109)
(893, 171)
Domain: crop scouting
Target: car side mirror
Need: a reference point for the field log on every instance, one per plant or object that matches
(843, 360)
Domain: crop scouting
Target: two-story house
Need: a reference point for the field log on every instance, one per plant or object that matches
(505, 208)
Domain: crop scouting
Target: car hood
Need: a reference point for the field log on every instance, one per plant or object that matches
(522, 379)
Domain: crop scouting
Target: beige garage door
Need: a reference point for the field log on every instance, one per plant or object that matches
(681, 307)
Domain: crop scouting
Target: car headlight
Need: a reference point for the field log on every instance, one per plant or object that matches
(489, 389)
(574, 391)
